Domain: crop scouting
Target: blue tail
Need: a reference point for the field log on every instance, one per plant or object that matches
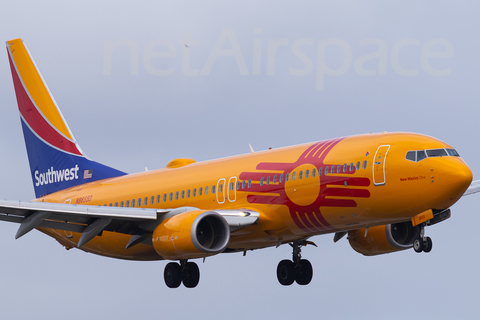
(56, 160)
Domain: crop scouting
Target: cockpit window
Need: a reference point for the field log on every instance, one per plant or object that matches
(411, 155)
(453, 152)
(419, 155)
(436, 153)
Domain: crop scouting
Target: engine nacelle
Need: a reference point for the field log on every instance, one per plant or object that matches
(383, 239)
(192, 234)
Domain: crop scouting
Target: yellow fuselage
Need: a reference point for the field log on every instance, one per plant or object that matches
(372, 184)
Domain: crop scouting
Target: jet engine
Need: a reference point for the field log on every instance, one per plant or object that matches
(383, 239)
(192, 234)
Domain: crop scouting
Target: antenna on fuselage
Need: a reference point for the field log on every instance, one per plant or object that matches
(251, 149)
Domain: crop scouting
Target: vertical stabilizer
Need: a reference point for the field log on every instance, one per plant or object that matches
(56, 160)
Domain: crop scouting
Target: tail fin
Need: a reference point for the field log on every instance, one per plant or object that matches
(56, 160)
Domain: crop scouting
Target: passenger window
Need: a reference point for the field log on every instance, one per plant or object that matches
(261, 181)
(139, 202)
(326, 170)
(171, 196)
(194, 192)
(320, 171)
(110, 205)
(158, 199)
(281, 178)
(231, 186)
(365, 164)
(213, 189)
(133, 203)
(200, 191)
(275, 179)
(188, 193)
(268, 180)
(176, 195)
(127, 204)
(183, 194)
(220, 188)
(411, 156)
(421, 155)
(165, 197)
(300, 175)
(121, 204)
(345, 167)
(351, 166)
(358, 165)
(453, 152)
(332, 169)
(339, 168)
(306, 174)
(206, 190)
(249, 183)
(243, 184)
(314, 171)
(294, 175)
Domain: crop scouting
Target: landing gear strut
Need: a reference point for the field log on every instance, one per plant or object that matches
(422, 243)
(299, 270)
(186, 272)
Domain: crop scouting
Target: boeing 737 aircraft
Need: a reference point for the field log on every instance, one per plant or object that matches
(381, 190)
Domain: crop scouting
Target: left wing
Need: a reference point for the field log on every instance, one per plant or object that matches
(92, 220)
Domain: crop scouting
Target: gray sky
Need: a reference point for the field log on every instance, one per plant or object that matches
(212, 105)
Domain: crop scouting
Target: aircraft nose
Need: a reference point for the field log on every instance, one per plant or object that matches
(458, 177)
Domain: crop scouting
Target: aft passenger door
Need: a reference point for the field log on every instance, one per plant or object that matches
(379, 165)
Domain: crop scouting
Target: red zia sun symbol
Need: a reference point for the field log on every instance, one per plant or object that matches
(303, 199)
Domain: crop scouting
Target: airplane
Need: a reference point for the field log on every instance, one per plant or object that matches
(380, 189)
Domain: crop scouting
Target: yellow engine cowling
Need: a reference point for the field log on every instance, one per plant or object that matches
(190, 235)
(383, 239)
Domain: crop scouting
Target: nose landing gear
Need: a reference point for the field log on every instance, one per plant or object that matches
(186, 272)
(299, 270)
(422, 243)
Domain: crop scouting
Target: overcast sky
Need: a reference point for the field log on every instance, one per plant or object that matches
(269, 73)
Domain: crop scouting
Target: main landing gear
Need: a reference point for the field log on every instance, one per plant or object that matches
(186, 272)
(299, 270)
(422, 243)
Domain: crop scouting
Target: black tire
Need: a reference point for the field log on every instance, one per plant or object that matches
(192, 276)
(304, 273)
(172, 275)
(428, 245)
(418, 245)
(286, 272)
